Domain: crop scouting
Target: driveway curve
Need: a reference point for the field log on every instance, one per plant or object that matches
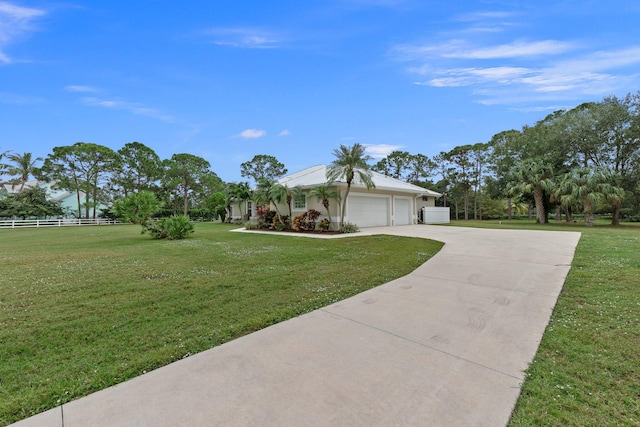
(443, 346)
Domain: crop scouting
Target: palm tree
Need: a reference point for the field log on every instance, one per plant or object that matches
(534, 176)
(277, 194)
(267, 191)
(280, 192)
(241, 193)
(236, 194)
(228, 201)
(587, 186)
(323, 193)
(23, 166)
(2, 165)
(350, 163)
(615, 196)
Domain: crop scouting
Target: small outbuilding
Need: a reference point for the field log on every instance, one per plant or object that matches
(392, 202)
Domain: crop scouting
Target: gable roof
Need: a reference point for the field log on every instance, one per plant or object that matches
(317, 175)
(14, 187)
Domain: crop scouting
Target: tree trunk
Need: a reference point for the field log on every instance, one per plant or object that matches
(344, 205)
(538, 196)
(466, 206)
(95, 199)
(185, 206)
(325, 203)
(79, 204)
(589, 220)
(475, 205)
(509, 209)
(615, 217)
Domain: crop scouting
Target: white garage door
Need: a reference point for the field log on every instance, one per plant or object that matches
(402, 212)
(366, 211)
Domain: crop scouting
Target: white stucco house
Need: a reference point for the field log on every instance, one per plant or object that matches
(392, 202)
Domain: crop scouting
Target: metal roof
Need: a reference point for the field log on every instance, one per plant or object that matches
(317, 175)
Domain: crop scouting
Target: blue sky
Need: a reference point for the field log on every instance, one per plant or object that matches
(227, 79)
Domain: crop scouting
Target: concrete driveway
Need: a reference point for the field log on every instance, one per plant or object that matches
(443, 346)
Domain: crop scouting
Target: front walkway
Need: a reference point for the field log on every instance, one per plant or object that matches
(443, 346)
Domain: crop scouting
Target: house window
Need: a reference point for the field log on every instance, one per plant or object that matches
(300, 202)
(249, 208)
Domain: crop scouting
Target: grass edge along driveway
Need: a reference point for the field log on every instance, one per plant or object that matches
(84, 308)
(586, 371)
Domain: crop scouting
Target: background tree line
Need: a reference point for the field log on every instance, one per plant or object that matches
(583, 160)
(99, 176)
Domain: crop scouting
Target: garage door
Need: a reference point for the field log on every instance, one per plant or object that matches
(367, 211)
(402, 212)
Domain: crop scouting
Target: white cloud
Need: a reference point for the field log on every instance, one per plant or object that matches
(14, 22)
(80, 88)
(547, 70)
(516, 49)
(131, 107)
(497, 58)
(252, 133)
(250, 38)
(462, 49)
(488, 22)
(602, 60)
(18, 12)
(284, 132)
(380, 151)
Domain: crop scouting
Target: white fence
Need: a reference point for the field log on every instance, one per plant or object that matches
(436, 215)
(18, 223)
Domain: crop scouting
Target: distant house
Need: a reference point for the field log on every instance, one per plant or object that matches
(391, 203)
(14, 187)
(68, 199)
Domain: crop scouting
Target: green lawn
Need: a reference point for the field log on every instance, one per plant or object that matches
(83, 308)
(587, 369)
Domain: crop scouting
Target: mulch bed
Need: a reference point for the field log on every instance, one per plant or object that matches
(325, 233)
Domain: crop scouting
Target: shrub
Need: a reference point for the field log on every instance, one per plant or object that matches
(348, 227)
(281, 223)
(251, 225)
(137, 207)
(265, 217)
(324, 224)
(306, 221)
(172, 228)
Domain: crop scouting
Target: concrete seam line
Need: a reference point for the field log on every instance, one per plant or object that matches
(421, 344)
